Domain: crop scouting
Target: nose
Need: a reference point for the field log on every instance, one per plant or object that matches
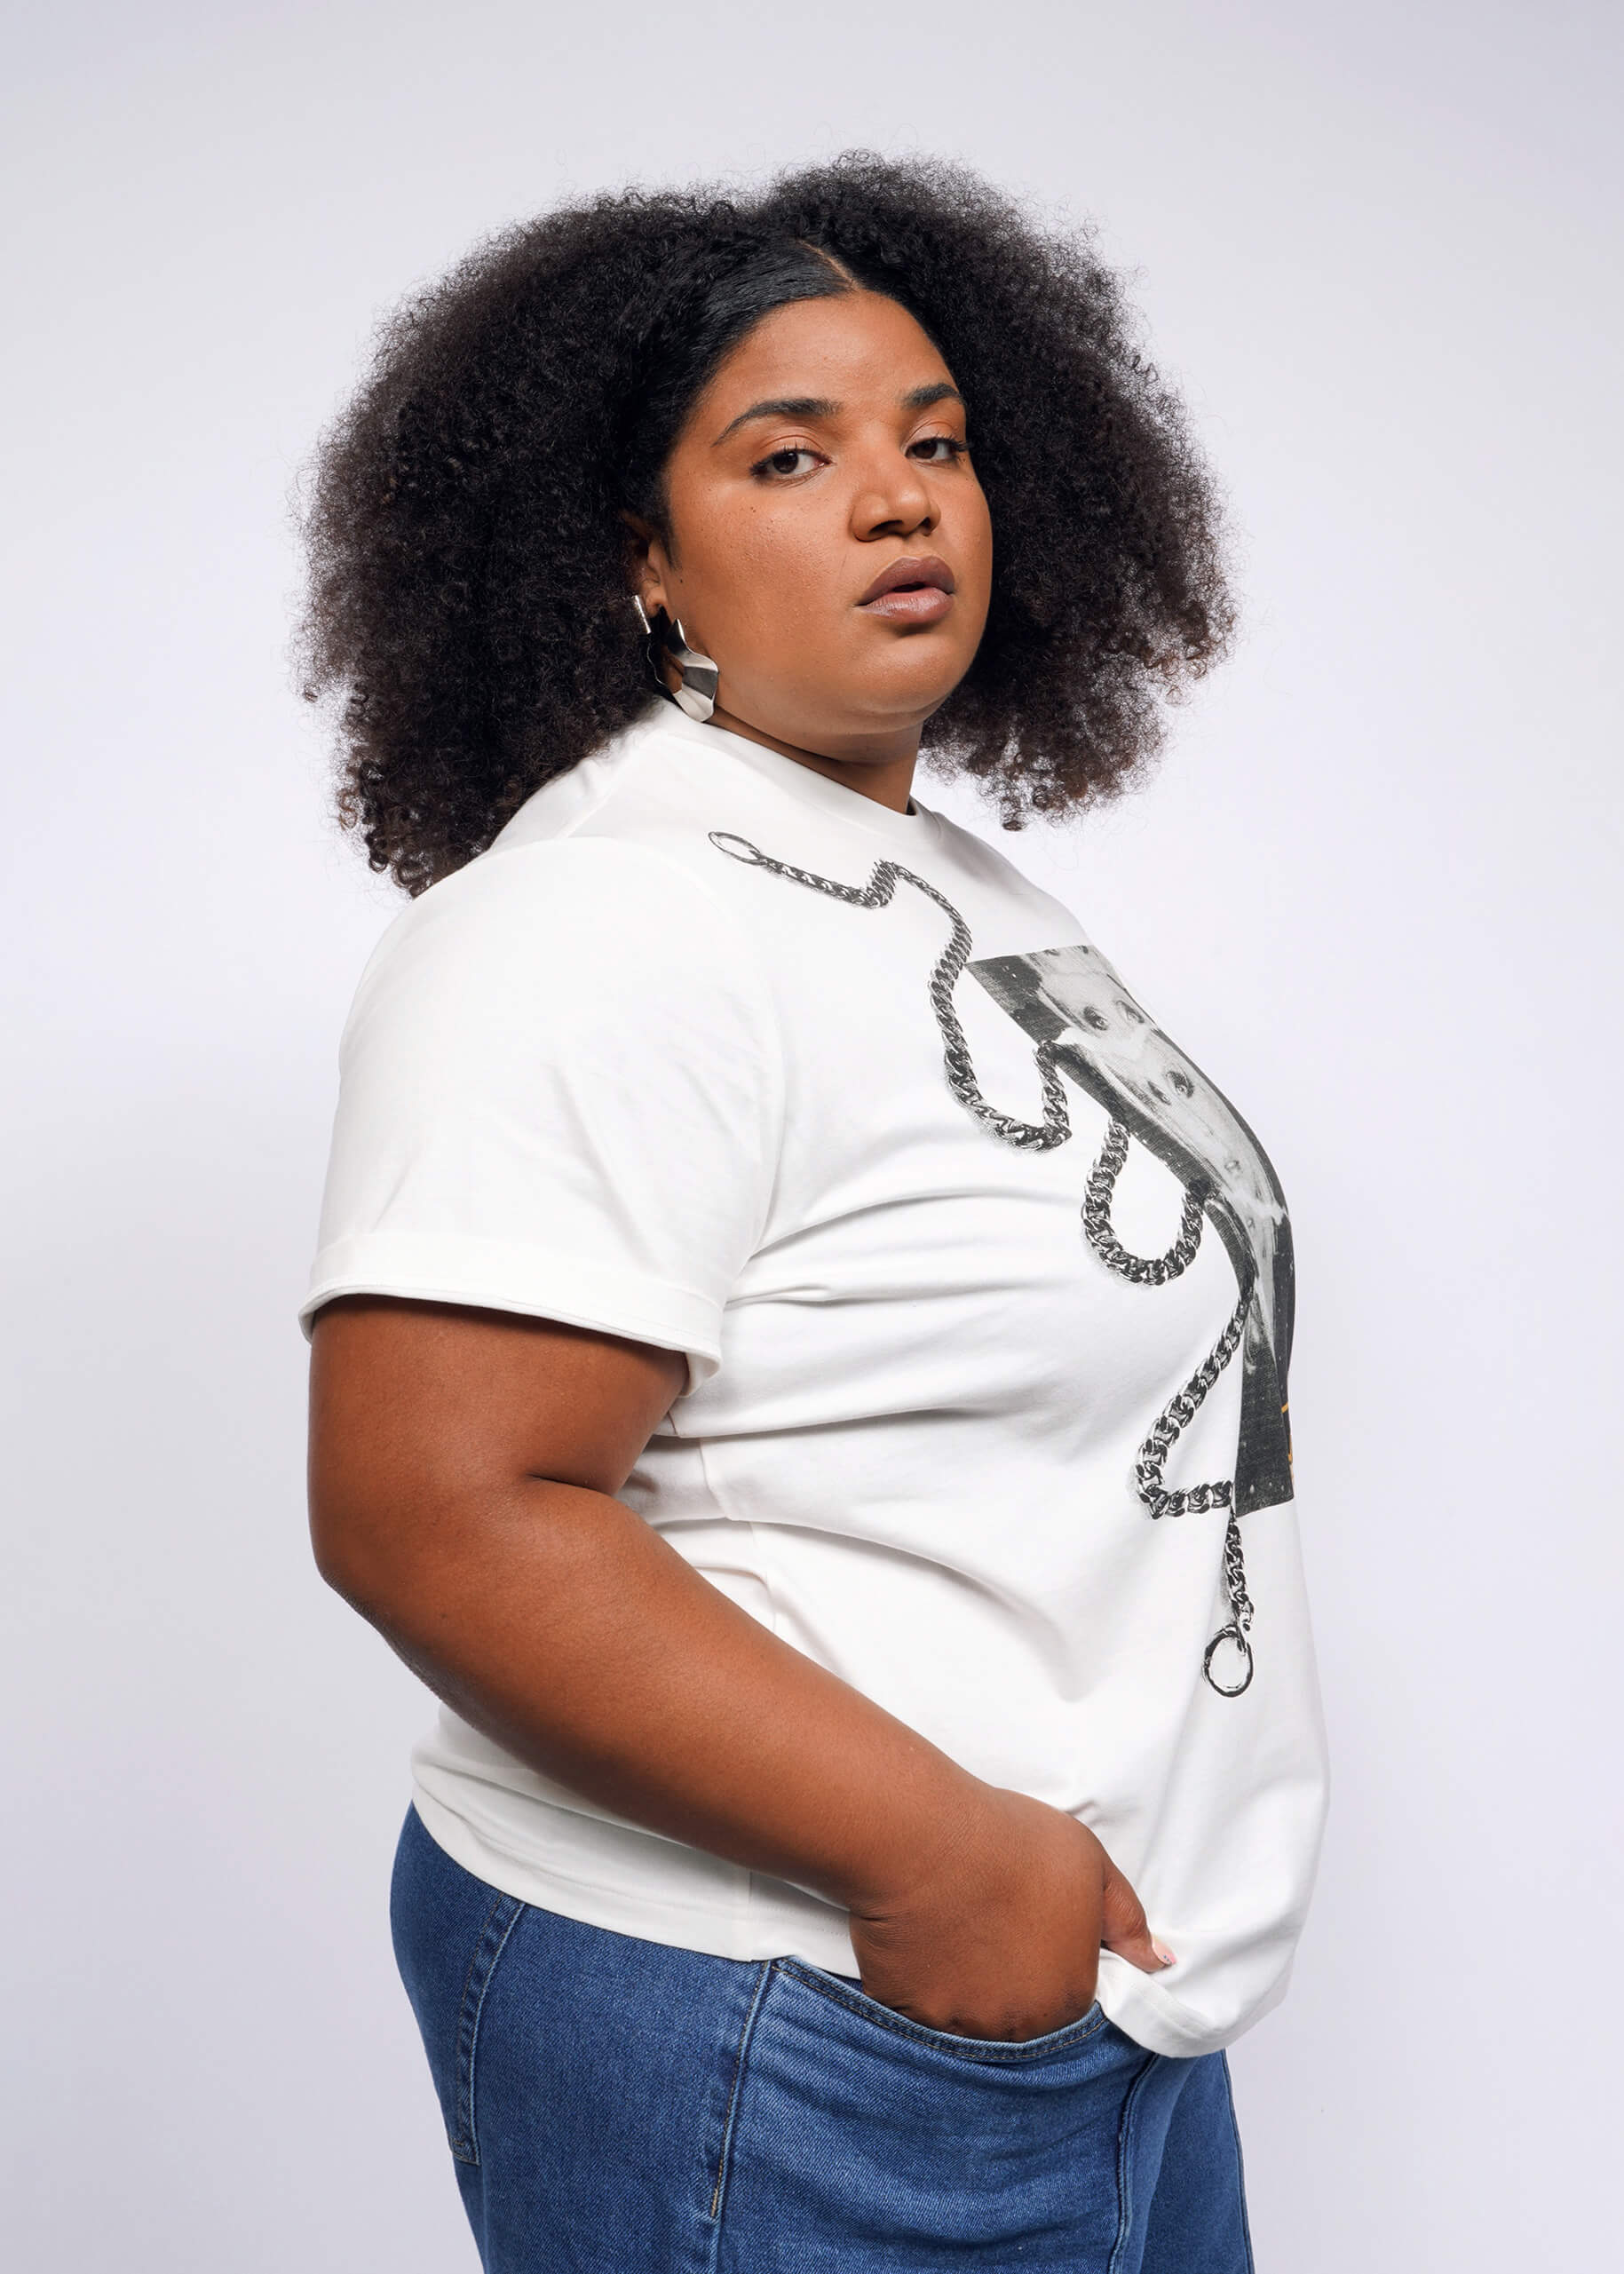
(893, 498)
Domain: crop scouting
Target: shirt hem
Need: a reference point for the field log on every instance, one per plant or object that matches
(749, 1925)
(757, 1924)
(1145, 2009)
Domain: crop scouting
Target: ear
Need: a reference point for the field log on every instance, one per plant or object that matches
(645, 564)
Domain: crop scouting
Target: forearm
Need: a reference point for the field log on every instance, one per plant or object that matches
(566, 1629)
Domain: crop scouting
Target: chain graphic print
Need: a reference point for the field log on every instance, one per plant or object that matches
(1054, 1130)
(1159, 1500)
(1143, 1270)
(1239, 1626)
(1035, 1137)
(1175, 1416)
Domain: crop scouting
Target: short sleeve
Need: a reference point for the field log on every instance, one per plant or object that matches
(560, 1093)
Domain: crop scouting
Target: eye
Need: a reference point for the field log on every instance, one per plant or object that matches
(945, 447)
(782, 465)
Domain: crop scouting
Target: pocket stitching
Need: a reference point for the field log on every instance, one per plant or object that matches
(725, 2159)
(1007, 2052)
(1127, 2132)
(481, 1968)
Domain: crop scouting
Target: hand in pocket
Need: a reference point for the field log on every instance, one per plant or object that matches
(1000, 1936)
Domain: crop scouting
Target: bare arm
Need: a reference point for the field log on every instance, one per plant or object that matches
(464, 1466)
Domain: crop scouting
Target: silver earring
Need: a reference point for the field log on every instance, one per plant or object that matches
(697, 694)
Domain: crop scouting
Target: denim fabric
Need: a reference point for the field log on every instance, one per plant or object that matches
(617, 2106)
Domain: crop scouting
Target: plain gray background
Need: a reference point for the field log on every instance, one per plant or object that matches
(1371, 889)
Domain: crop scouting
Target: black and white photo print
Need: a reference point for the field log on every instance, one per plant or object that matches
(1071, 1000)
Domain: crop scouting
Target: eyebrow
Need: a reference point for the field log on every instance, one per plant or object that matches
(821, 407)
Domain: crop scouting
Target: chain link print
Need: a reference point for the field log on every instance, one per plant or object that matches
(1149, 1469)
(1143, 1270)
(1159, 1500)
(1032, 1136)
(1175, 1416)
(1041, 1136)
(1239, 1626)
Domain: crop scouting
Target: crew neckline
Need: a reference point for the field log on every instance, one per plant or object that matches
(917, 828)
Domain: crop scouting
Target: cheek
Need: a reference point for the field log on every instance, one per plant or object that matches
(973, 535)
(757, 567)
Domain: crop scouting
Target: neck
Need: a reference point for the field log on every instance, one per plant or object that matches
(887, 777)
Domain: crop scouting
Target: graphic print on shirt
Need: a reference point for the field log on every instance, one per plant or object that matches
(1086, 1024)
(1074, 1002)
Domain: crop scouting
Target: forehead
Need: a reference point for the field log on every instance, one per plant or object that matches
(852, 347)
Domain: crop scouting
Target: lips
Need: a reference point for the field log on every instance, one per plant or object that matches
(913, 590)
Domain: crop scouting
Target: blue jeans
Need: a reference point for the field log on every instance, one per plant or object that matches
(617, 2106)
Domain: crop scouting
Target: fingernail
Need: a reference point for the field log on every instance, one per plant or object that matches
(1163, 1952)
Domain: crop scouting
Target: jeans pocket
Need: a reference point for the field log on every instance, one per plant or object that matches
(985, 2051)
(863, 2138)
(449, 1930)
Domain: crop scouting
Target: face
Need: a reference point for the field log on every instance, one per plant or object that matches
(830, 544)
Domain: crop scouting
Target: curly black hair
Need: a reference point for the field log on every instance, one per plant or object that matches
(469, 602)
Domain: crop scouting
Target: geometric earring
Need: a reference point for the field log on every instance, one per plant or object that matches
(701, 676)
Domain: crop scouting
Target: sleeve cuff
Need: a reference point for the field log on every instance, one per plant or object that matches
(535, 1282)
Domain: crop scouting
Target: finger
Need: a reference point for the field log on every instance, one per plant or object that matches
(1126, 1930)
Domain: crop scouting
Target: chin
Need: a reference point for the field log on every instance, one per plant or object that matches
(919, 674)
(880, 696)
(915, 696)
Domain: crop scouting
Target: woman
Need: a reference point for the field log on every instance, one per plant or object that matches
(774, 1279)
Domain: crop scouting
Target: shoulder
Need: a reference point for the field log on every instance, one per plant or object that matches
(552, 944)
(561, 896)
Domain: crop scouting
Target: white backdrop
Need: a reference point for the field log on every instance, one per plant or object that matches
(1371, 889)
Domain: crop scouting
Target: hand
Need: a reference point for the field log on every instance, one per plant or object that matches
(1000, 1936)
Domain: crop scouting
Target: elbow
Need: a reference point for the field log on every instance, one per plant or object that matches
(340, 1556)
(352, 1550)
(394, 1548)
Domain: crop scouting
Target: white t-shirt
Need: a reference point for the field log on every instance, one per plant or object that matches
(986, 1296)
